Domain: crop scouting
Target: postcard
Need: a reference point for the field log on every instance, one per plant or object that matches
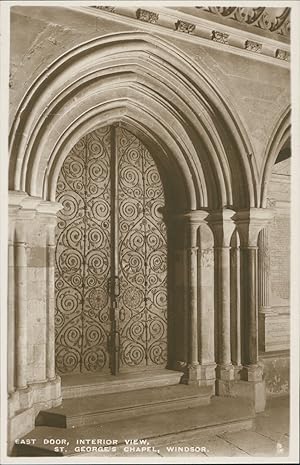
(150, 197)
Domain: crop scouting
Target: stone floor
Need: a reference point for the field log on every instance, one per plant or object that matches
(269, 438)
(268, 435)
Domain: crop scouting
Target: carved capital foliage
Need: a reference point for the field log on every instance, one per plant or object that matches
(147, 16)
(253, 46)
(276, 20)
(183, 26)
(220, 37)
(282, 54)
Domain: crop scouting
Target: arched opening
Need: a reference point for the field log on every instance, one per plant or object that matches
(111, 275)
(171, 110)
(274, 272)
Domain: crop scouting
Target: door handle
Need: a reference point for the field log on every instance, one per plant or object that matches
(117, 286)
(114, 286)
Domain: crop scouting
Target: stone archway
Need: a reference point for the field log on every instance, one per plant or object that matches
(187, 126)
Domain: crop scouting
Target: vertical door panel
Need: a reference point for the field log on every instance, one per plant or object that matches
(82, 320)
(142, 257)
(110, 231)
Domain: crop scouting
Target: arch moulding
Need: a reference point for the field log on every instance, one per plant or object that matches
(151, 87)
(279, 137)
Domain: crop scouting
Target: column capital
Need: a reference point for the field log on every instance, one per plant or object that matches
(195, 217)
(15, 198)
(250, 222)
(48, 208)
(222, 226)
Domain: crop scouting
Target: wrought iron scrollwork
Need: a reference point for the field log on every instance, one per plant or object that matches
(82, 256)
(143, 257)
(85, 325)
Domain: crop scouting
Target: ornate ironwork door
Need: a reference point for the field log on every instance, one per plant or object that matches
(111, 257)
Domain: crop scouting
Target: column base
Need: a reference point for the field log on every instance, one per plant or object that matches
(208, 376)
(20, 424)
(192, 375)
(254, 391)
(24, 405)
(252, 373)
(237, 371)
(225, 376)
(225, 372)
(250, 386)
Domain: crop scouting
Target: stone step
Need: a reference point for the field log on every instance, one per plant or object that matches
(93, 384)
(116, 406)
(220, 416)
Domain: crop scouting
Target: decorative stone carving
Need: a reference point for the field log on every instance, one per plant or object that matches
(111, 9)
(207, 258)
(265, 257)
(253, 46)
(147, 16)
(220, 37)
(183, 26)
(275, 20)
(282, 54)
(271, 203)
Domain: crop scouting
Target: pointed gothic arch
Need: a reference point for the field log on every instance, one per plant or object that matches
(278, 139)
(201, 136)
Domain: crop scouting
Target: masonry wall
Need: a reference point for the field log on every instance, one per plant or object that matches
(277, 321)
(36, 304)
(257, 88)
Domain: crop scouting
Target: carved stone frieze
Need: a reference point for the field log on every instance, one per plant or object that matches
(220, 37)
(183, 26)
(147, 16)
(111, 9)
(282, 54)
(275, 20)
(257, 17)
(253, 46)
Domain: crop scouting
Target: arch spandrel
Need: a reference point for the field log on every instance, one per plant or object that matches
(277, 141)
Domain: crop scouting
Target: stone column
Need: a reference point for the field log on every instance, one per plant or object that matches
(264, 285)
(235, 302)
(191, 252)
(16, 317)
(12, 212)
(11, 307)
(192, 221)
(206, 307)
(249, 224)
(177, 278)
(48, 213)
(21, 304)
(50, 346)
(222, 226)
(264, 270)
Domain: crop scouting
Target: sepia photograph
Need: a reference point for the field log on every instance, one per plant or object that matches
(150, 299)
